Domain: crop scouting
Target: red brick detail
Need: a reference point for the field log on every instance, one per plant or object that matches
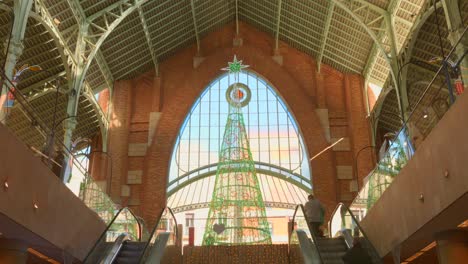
(118, 135)
(103, 100)
(358, 125)
(157, 95)
(371, 97)
(321, 90)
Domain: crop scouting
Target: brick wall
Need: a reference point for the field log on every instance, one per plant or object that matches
(173, 93)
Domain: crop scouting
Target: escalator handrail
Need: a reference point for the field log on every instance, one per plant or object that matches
(361, 230)
(153, 231)
(114, 251)
(107, 229)
(331, 218)
(314, 238)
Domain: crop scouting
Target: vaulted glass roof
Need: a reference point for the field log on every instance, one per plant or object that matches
(127, 38)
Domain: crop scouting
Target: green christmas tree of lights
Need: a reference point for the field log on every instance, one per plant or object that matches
(237, 211)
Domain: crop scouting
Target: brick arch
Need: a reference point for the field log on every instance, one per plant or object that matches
(182, 85)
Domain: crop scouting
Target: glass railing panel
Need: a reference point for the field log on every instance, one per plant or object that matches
(96, 199)
(169, 251)
(44, 137)
(336, 223)
(123, 223)
(431, 97)
(403, 145)
(300, 223)
(294, 249)
(343, 223)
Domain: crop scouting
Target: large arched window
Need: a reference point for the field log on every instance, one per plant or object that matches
(276, 144)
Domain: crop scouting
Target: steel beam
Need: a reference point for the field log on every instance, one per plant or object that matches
(88, 93)
(331, 8)
(452, 15)
(87, 45)
(278, 21)
(87, 48)
(80, 16)
(367, 29)
(402, 93)
(369, 5)
(113, 15)
(179, 186)
(105, 70)
(21, 11)
(15, 48)
(190, 207)
(456, 27)
(237, 17)
(148, 39)
(414, 29)
(40, 94)
(192, 4)
(43, 15)
(404, 21)
(408, 53)
(43, 83)
(378, 48)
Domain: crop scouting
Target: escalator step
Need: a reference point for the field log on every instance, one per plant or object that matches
(130, 253)
(332, 256)
(126, 260)
(332, 245)
(337, 248)
(134, 245)
(333, 261)
(332, 250)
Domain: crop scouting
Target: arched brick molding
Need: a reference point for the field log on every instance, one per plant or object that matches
(182, 85)
(179, 84)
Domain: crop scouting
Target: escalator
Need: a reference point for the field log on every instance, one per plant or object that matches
(332, 249)
(130, 252)
(127, 241)
(346, 244)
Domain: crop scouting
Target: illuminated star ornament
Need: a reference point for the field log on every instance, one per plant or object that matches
(235, 66)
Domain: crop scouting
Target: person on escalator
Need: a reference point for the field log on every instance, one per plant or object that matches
(315, 213)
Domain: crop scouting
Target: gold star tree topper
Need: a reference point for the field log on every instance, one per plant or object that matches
(235, 66)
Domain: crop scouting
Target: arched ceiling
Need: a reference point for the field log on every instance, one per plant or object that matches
(40, 48)
(421, 70)
(351, 35)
